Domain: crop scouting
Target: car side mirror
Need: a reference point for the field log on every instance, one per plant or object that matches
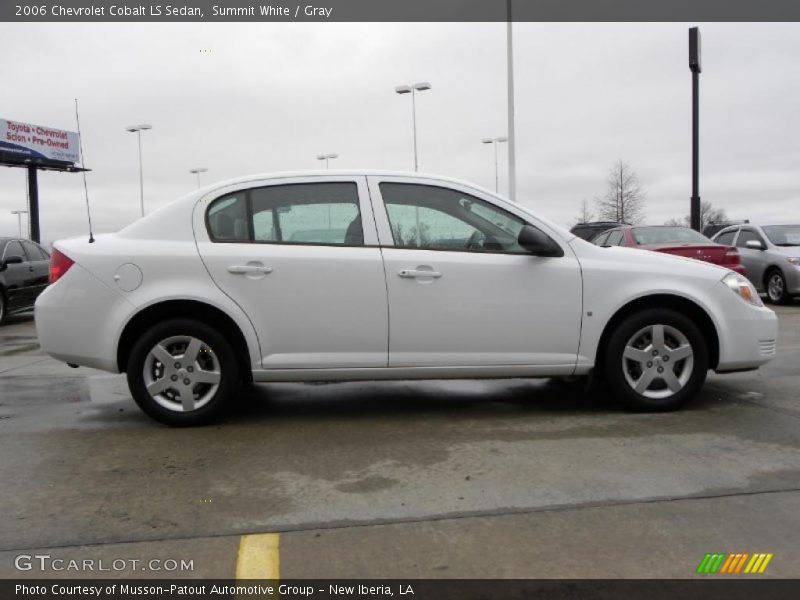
(538, 243)
(754, 245)
(11, 260)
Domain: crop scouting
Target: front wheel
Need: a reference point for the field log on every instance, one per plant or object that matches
(182, 372)
(656, 360)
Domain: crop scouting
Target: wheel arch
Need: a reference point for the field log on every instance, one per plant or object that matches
(192, 309)
(678, 303)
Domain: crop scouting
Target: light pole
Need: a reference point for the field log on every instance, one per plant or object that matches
(494, 142)
(413, 89)
(19, 214)
(512, 146)
(197, 172)
(326, 158)
(138, 129)
(694, 66)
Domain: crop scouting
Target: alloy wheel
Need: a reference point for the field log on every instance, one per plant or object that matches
(658, 361)
(776, 287)
(181, 373)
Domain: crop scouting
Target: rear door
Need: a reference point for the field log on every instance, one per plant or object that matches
(300, 257)
(40, 263)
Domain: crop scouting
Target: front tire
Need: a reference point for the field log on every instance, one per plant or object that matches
(776, 287)
(183, 372)
(656, 360)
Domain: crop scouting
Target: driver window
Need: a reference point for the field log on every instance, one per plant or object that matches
(435, 218)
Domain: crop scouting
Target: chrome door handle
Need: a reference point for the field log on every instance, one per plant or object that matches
(413, 273)
(244, 269)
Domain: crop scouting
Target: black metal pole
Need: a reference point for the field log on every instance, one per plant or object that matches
(696, 68)
(695, 208)
(33, 206)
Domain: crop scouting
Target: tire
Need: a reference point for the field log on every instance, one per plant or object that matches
(775, 283)
(2, 307)
(634, 356)
(197, 392)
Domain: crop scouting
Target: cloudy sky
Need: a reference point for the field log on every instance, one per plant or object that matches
(247, 98)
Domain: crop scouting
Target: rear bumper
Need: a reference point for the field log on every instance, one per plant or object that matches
(74, 320)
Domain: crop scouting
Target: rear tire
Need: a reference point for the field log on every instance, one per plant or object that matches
(2, 307)
(775, 283)
(183, 373)
(656, 360)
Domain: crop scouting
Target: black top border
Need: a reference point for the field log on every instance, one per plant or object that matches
(400, 11)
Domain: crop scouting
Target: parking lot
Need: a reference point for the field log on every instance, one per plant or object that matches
(517, 478)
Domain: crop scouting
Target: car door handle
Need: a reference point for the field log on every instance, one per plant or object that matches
(244, 269)
(413, 273)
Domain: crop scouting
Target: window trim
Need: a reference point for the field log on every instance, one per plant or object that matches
(247, 191)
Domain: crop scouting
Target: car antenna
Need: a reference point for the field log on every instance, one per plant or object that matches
(83, 165)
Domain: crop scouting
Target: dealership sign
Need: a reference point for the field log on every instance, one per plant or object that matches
(23, 142)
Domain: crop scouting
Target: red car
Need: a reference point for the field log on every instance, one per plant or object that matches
(672, 240)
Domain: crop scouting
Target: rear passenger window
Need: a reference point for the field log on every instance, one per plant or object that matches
(600, 240)
(303, 213)
(725, 238)
(34, 252)
(308, 213)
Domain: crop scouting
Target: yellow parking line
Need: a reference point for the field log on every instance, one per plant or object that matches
(259, 557)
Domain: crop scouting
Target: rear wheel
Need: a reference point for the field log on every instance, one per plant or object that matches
(183, 372)
(2, 307)
(656, 360)
(776, 287)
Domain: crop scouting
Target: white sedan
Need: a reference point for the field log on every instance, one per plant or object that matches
(369, 276)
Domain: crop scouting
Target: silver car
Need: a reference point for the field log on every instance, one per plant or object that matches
(771, 256)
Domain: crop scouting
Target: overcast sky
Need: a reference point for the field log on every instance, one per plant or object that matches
(269, 97)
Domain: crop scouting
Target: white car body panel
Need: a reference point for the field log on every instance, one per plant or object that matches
(338, 313)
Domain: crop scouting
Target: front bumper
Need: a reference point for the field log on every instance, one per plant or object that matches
(748, 334)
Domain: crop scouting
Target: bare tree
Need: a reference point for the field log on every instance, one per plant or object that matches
(707, 214)
(586, 215)
(624, 200)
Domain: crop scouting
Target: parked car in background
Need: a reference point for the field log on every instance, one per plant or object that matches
(714, 227)
(24, 268)
(587, 231)
(770, 255)
(669, 239)
(377, 276)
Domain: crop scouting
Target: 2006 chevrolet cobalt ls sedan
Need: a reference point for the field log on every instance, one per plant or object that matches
(369, 276)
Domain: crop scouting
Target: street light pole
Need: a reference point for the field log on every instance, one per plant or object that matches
(413, 89)
(326, 158)
(494, 142)
(197, 171)
(19, 214)
(137, 129)
(512, 149)
(694, 65)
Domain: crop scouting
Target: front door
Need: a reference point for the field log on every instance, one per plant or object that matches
(462, 292)
(300, 257)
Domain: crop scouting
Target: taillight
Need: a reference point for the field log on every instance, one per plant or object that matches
(59, 264)
(732, 257)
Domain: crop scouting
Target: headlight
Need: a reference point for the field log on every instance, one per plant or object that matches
(742, 287)
(795, 260)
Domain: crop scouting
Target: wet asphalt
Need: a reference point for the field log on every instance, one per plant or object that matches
(512, 478)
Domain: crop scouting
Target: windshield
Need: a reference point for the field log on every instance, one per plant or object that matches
(668, 235)
(783, 235)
